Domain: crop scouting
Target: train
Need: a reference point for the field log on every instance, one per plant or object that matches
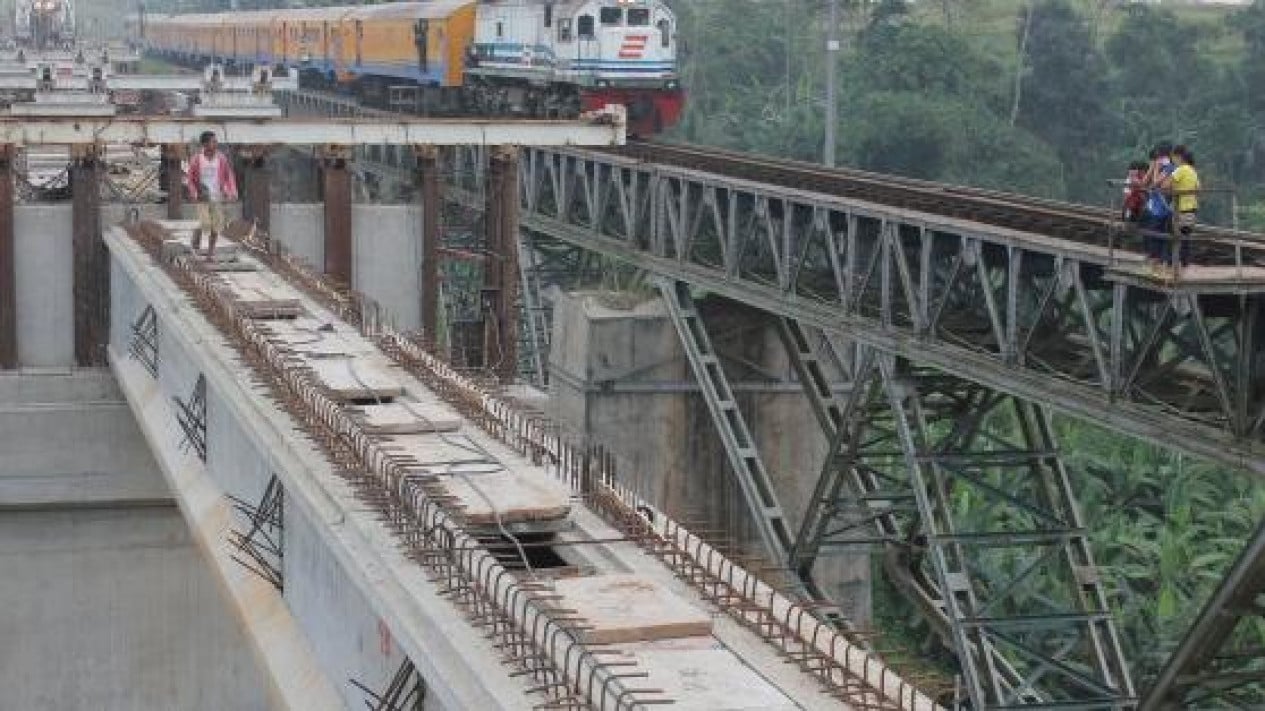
(536, 58)
(44, 24)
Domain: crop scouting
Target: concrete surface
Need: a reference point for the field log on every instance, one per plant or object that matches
(69, 439)
(630, 608)
(107, 605)
(45, 279)
(113, 610)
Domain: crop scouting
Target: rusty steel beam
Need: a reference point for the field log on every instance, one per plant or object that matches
(500, 275)
(8, 265)
(173, 179)
(91, 265)
(336, 195)
(432, 207)
(257, 187)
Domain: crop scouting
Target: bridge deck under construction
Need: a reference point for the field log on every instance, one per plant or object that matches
(510, 568)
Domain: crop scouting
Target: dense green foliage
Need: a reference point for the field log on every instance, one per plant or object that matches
(1044, 98)
(1050, 97)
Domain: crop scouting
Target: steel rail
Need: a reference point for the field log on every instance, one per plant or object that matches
(994, 207)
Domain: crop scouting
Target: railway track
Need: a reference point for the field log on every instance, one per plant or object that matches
(1082, 223)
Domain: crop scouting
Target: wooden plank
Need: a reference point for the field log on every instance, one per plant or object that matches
(630, 608)
(514, 497)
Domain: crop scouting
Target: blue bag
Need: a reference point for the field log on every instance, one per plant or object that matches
(1157, 207)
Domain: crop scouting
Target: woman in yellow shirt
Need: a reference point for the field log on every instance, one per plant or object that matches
(1184, 186)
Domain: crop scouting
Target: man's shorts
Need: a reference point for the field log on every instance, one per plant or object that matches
(1186, 222)
(211, 217)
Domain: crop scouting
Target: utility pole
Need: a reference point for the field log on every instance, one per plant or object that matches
(832, 80)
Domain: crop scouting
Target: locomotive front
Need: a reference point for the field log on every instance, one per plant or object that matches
(581, 54)
(627, 52)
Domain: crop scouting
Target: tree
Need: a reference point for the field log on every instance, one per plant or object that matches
(1064, 92)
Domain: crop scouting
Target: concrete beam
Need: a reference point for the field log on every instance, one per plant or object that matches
(8, 265)
(92, 277)
(336, 195)
(605, 129)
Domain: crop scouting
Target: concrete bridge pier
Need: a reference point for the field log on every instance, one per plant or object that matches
(619, 376)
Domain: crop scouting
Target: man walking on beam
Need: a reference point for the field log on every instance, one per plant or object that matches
(211, 184)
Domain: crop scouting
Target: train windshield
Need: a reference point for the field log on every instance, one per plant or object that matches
(638, 17)
(612, 16)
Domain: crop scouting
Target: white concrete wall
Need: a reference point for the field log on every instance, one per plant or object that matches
(387, 259)
(301, 229)
(45, 282)
(350, 641)
(386, 251)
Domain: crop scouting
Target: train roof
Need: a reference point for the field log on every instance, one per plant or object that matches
(428, 9)
(432, 9)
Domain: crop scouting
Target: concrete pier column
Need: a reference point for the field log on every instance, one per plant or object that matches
(257, 187)
(173, 155)
(336, 194)
(92, 267)
(432, 206)
(500, 275)
(8, 265)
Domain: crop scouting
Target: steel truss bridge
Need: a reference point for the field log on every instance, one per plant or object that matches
(962, 320)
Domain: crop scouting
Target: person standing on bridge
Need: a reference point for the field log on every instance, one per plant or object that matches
(1183, 183)
(211, 184)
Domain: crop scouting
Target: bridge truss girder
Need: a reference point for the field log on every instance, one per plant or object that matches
(1044, 318)
(1018, 318)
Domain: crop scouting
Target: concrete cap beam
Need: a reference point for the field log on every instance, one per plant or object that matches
(606, 128)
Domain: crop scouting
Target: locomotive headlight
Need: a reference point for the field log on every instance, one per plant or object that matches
(672, 85)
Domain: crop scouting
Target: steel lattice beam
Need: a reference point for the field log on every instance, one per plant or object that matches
(1018, 643)
(740, 447)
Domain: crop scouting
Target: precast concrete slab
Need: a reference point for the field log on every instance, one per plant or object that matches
(630, 608)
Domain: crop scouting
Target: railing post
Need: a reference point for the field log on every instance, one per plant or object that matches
(8, 264)
(501, 273)
(91, 265)
(432, 207)
(173, 155)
